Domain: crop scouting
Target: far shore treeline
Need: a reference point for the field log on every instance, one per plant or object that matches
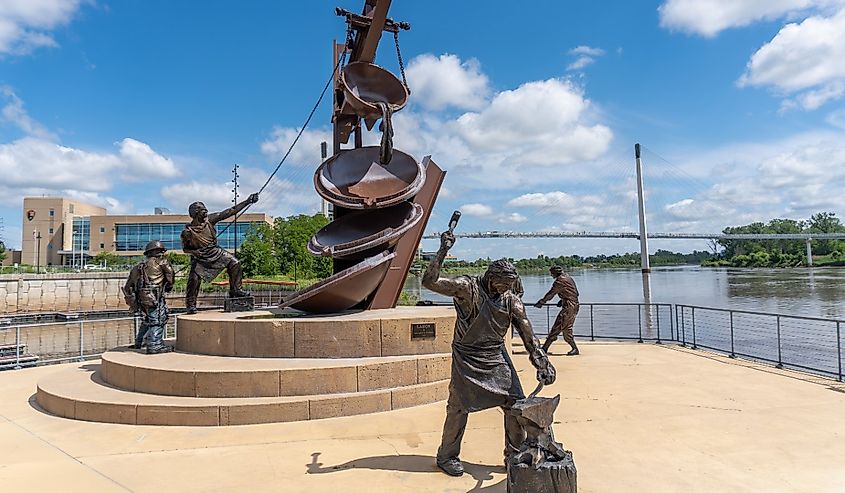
(280, 250)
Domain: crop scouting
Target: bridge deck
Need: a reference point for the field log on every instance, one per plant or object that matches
(639, 418)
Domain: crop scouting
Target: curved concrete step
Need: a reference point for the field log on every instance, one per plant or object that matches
(196, 375)
(369, 333)
(79, 393)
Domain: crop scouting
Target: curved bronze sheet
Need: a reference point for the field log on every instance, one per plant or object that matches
(360, 234)
(365, 84)
(355, 179)
(343, 290)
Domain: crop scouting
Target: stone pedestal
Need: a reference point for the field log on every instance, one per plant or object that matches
(263, 367)
(549, 477)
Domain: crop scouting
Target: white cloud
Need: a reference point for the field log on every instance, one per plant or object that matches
(476, 210)
(31, 162)
(113, 205)
(24, 24)
(513, 217)
(307, 149)
(14, 113)
(143, 162)
(802, 57)
(522, 136)
(758, 181)
(444, 81)
(216, 196)
(586, 55)
(709, 17)
(280, 197)
(586, 50)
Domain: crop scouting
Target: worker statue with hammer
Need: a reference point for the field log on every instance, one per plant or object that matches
(208, 258)
(483, 375)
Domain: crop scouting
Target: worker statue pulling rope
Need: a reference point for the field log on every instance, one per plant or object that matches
(208, 258)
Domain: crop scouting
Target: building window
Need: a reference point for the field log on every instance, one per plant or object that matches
(52, 213)
(71, 208)
(102, 246)
(102, 229)
(51, 230)
(81, 233)
(133, 237)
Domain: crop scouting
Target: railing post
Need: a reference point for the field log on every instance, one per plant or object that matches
(672, 308)
(548, 320)
(839, 350)
(18, 348)
(780, 360)
(640, 322)
(683, 327)
(658, 324)
(81, 339)
(694, 346)
(592, 332)
(733, 354)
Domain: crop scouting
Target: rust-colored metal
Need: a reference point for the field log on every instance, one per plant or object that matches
(343, 290)
(367, 41)
(354, 178)
(365, 84)
(361, 234)
(406, 250)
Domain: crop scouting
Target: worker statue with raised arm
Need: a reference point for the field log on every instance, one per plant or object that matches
(483, 375)
(208, 259)
(564, 287)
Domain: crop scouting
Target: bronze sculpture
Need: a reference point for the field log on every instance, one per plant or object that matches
(565, 288)
(208, 259)
(483, 375)
(144, 293)
(541, 465)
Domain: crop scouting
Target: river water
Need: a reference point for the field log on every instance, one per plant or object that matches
(811, 292)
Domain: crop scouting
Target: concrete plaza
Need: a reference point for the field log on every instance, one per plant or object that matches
(638, 418)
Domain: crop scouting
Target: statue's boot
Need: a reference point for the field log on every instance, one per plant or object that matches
(574, 351)
(236, 280)
(159, 349)
(452, 467)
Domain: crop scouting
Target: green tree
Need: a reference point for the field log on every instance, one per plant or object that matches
(290, 238)
(2, 251)
(825, 222)
(257, 254)
(106, 258)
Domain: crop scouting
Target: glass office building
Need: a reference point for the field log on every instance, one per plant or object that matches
(134, 237)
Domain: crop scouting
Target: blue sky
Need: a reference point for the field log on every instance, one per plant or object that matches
(533, 111)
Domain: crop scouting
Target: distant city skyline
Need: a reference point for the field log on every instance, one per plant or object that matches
(533, 111)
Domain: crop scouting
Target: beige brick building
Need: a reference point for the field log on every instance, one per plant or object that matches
(71, 231)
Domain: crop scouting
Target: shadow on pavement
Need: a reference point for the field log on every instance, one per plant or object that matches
(413, 464)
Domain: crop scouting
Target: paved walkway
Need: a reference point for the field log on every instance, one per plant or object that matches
(638, 417)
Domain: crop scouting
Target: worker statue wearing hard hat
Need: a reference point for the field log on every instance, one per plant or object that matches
(144, 293)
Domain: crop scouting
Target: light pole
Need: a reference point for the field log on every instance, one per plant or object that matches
(38, 253)
(235, 201)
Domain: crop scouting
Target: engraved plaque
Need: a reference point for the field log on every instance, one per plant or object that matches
(423, 330)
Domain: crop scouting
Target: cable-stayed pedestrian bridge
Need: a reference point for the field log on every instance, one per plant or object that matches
(634, 235)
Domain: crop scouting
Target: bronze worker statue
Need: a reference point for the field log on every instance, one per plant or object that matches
(208, 259)
(144, 292)
(483, 375)
(564, 287)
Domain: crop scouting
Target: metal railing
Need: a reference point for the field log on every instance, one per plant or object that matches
(810, 344)
(77, 340)
(626, 321)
